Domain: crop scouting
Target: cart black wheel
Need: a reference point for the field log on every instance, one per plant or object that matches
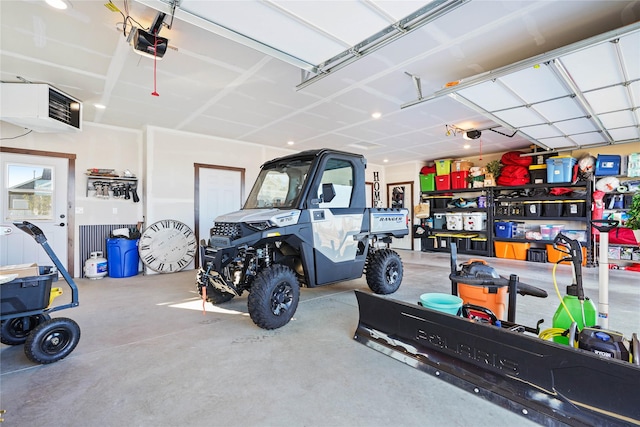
(384, 271)
(52, 340)
(214, 296)
(15, 331)
(274, 296)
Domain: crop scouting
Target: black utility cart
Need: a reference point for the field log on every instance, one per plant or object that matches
(26, 304)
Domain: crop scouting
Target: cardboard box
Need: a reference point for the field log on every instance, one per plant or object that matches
(22, 270)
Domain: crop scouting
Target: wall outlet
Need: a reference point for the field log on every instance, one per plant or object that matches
(79, 210)
(115, 211)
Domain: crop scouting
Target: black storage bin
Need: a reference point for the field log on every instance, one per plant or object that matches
(428, 243)
(532, 209)
(440, 202)
(574, 207)
(27, 293)
(502, 209)
(516, 209)
(538, 174)
(464, 243)
(479, 244)
(537, 255)
(443, 242)
(627, 200)
(552, 208)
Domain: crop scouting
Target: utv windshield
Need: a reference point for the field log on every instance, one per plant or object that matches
(279, 185)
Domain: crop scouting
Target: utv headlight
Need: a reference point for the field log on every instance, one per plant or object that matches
(261, 225)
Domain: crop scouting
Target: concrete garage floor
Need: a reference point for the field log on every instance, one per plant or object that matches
(149, 357)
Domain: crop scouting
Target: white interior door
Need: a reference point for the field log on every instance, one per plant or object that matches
(34, 189)
(220, 192)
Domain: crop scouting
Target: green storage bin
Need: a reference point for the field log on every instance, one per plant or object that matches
(428, 182)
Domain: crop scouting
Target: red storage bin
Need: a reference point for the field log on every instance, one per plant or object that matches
(443, 182)
(459, 180)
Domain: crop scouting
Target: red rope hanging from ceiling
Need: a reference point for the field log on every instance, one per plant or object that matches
(155, 63)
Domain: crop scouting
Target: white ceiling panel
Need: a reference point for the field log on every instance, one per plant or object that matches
(542, 131)
(589, 74)
(575, 126)
(609, 99)
(520, 117)
(210, 82)
(617, 119)
(491, 95)
(535, 84)
(586, 139)
(629, 46)
(559, 109)
(626, 134)
(558, 142)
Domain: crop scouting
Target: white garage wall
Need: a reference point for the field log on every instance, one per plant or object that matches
(97, 146)
(162, 159)
(169, 171)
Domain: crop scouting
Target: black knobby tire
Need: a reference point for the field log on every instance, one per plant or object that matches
(52, 340)
(214, 296)
(274, 297)
(15, 331)
(384, 271)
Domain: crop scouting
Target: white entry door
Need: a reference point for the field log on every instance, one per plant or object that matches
(34, 189)
(220, 192)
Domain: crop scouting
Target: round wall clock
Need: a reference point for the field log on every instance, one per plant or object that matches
(167, 246)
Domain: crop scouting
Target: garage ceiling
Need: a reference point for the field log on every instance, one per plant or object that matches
(314, 72)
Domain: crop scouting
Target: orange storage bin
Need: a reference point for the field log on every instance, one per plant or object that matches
(554, 255)
(512, 250)
(492, 297)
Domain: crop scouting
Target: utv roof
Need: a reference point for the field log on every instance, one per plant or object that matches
(313, 153)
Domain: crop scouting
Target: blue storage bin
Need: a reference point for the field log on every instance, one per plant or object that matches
(122, 257)
(560, 169)
(607, 165)
(505, 229)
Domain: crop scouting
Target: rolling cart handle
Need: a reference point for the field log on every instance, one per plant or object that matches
(40, 238)
(32, 230)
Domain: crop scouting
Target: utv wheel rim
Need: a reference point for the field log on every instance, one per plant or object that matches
(281, 299)
(392, 274)
(56, 341)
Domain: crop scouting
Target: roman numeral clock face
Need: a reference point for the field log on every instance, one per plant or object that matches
(167, 246)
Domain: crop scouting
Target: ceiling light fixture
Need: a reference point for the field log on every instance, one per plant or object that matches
(290, 142)
(466, 146)
(58, 4)
(99, 106)
(376, 115)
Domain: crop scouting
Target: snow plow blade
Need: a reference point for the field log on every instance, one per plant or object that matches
(548, 383)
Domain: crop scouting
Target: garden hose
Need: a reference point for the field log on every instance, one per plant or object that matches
(549, 333)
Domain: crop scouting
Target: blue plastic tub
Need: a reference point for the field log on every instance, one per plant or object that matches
(122, 257)
(560, 169)
(445, 303)
(506, 229)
